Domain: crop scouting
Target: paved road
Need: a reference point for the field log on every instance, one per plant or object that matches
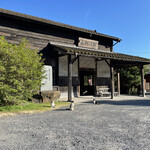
(110, 125)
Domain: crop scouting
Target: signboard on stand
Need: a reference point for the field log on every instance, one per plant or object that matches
(47, 82)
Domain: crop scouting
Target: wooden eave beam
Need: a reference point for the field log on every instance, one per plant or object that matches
(60, 55)
(107, 63)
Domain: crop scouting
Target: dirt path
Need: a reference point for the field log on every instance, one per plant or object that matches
(111, 125)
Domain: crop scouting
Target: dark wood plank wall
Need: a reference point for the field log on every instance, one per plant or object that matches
(39, 35)
(37, 40)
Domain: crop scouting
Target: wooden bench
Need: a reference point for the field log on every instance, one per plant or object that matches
(103, 91)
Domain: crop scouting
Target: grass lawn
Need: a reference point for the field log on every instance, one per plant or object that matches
(29, 108)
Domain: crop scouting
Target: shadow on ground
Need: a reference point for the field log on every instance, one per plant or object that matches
(137, 102)
(62, 109)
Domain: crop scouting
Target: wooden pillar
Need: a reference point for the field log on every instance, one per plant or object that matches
(95, 78)
(142, 81)
(118, 83)
(69, 78)
(112, 80)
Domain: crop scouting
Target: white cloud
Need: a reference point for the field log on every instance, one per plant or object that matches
(87, 15)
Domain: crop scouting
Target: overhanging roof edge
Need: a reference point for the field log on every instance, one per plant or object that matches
(100, 54)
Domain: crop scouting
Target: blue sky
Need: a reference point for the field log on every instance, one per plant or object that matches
(126, 19)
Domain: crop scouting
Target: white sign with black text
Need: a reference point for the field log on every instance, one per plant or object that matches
(47, 82)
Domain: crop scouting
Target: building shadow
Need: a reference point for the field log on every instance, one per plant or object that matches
(126, 102)
(61, 109)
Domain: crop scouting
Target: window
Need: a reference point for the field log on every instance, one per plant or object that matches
(88, 80)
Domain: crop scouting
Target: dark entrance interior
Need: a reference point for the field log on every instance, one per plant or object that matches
(87, 83)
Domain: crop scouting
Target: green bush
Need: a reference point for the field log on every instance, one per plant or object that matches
(130, 80)
(21, 71)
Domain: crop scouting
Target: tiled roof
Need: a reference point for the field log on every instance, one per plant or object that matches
(42, 20)
(100, 54)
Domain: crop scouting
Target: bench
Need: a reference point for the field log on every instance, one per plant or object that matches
(103, 91)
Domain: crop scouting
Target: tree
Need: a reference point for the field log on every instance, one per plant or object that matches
(130, 80)
(21, 71)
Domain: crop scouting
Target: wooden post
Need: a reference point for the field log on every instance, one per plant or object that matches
(112, 80)
(69, 78)
(70, 62)
(142, 81)
(95, 78)
(118, 83)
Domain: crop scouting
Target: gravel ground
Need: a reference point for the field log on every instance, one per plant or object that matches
(110, 125)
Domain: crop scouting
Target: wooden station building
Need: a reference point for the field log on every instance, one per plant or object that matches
(82, 60)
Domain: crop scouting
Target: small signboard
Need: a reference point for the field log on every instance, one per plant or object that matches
(47, 82)
(88, 43)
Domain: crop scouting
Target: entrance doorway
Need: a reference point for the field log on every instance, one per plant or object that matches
(87, 82)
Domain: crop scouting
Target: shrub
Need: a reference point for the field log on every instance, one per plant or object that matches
(21, 71)
(130, 80)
